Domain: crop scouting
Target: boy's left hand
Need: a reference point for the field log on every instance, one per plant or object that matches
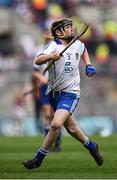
(90, 70)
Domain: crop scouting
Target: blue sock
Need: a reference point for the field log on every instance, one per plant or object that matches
(41, 154)
(90, 145)
(58, 140)
(46, 130)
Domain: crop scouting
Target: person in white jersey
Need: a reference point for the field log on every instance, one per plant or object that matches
(64, 88)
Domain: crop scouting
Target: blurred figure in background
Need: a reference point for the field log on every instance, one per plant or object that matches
(41, 100)
(37, 79)
(19, 113)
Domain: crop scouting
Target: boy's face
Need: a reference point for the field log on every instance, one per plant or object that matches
(69, 30)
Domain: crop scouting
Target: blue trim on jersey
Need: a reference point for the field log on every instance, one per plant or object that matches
(36, 69)
(84, 49)
(57, 41)
(47, 45)
(63, 100)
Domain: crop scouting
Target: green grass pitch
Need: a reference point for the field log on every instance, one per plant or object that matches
(73, 162)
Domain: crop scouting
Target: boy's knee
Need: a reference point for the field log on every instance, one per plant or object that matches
(56, 126)
(71, 130)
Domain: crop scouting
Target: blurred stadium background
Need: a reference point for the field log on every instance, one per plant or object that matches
(23, 24)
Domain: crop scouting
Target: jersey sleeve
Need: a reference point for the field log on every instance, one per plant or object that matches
(81, 48)
(35, 66)
(49, 48)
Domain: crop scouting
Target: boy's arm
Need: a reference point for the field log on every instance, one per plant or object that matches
(89, 70)
(85, 57)
(41, 59)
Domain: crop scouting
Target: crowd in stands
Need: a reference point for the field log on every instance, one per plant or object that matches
(100, 40)
(44, 12)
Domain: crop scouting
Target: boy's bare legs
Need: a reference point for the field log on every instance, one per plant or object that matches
(74, 130)
(63, 117)
(77, 133)
(48, 117)
(59, 118)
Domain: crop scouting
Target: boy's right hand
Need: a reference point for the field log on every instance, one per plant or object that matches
(54, 56)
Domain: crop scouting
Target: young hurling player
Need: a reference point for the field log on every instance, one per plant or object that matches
(64, 88)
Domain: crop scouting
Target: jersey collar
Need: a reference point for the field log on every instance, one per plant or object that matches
(57, 41)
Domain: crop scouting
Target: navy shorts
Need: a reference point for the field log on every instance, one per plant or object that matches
(63, 100)
(43, 97)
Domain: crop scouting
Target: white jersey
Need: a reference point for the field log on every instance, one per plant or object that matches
(64, 73)
(42, 66)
